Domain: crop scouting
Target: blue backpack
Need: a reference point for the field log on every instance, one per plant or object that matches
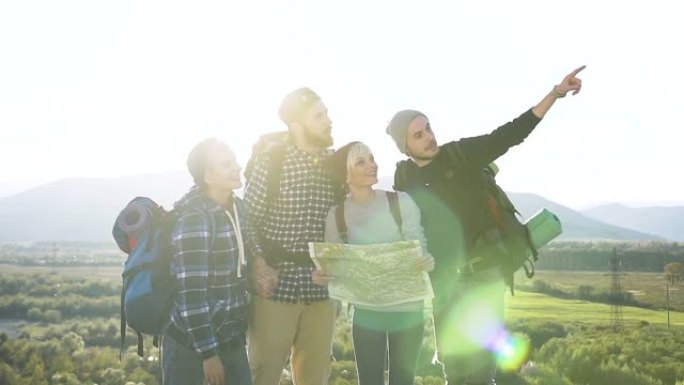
(143, 231)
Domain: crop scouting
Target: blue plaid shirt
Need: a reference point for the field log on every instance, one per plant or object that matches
(210, 305)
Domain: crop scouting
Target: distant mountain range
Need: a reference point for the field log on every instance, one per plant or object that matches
(667, 222)
(81, 209)
(576, 225)
(84, 209)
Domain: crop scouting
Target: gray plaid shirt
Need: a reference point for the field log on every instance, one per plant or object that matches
(295, 217)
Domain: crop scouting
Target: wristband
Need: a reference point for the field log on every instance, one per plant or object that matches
(556, 93)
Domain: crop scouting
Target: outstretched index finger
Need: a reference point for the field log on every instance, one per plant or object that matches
(577, 70)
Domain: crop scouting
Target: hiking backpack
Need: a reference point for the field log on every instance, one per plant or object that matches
(500, 237)
(143, 230)
(274, 144)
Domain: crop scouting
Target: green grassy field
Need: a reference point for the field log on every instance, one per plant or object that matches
(90, 271)
(538, 306)
(646, 288)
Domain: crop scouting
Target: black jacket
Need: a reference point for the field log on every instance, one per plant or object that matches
(450, 193)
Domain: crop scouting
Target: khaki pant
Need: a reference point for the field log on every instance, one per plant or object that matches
(278, 330)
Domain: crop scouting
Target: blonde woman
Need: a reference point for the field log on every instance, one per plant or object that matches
(368, 219)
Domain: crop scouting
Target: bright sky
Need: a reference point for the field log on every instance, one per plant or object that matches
(94, 88)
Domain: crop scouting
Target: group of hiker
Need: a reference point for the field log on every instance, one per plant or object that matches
(248, 297)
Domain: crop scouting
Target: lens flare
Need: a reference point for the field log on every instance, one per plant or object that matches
(512, 352)
(473, 321)
(474, 325)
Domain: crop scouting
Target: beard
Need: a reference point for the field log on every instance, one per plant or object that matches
(322, 140)
(424, 157)
(421, 157)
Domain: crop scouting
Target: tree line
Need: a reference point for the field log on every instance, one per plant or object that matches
(647, 256)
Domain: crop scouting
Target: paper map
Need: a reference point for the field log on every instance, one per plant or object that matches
(373, 275)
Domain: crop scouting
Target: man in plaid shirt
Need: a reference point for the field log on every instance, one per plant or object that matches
(205, 342)
(290, 315)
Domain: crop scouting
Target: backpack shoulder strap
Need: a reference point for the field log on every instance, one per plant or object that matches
(275, 172)
(341, 223)
(400, 177)
(393, 199)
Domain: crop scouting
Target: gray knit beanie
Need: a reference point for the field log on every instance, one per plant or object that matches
(398, 127)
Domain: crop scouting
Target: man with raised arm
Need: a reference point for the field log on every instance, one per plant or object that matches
(445, 181)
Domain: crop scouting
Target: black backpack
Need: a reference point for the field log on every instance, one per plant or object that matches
(499, 236)
(273, 145)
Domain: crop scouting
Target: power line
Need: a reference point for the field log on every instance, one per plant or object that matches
(616, 293)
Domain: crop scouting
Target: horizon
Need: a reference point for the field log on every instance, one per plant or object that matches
(91, 84)
(384, 182)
